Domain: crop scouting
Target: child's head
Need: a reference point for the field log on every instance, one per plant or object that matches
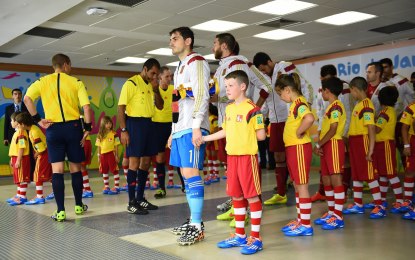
(331, 85)
(287, 85)
(24, 120)
(388, 96)
(358, 87)
(237, 83)
(104, 127)
(213, 110)
(13, 119)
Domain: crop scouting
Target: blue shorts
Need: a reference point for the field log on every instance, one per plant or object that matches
(142, 138)
(162, 132)
(185, 155)
(64, 139)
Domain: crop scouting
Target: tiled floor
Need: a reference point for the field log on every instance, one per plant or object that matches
(107, 229)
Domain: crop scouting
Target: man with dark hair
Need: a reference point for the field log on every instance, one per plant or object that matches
(190, 122)
(137, 99)
(406, 92)
(374, 72)
(17, 106)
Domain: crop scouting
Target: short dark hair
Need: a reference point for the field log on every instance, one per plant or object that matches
(328, 69)
(388, 96)
(261, 58)
(213, 110)
(24, 118)
(185, 32)
(378, 67)
(150, 63)
(413, 75)
(334, 84)
(59, 59)
(230, 41)
(291, 80)
(240, 76)
(386, 61)
(13, 116)
(163, 69)
(359, 82)
(17, 90)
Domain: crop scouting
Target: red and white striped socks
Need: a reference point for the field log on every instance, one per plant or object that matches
(339, 197)
(39, 189)
(358, 193)
(85, 179)
(256, 216)
(328, 191)
(239, 211)
(408, 188)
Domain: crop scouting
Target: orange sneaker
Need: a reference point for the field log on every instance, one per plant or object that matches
(317, 196)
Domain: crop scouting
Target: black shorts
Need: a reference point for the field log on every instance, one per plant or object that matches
(141, 132)
(64, 139)
(162, 132)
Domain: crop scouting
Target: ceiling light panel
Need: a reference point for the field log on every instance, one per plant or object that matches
(279, 34)
(282, 7)
(218, 26)
(135, 60)
(161, 51)
(345, 18)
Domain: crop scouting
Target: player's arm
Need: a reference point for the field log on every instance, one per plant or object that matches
(306, 123)
(332, 131)
(261, 82)
(19, 158)
(158, 100)
(216, 136)
(372, 137)
(261, 134)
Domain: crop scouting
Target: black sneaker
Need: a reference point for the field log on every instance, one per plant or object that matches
(182, 229)
(192, 235)
(160, 194)
(147, 205)
(134, 208)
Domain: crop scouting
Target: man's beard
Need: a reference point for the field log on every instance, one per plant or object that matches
(218, 54)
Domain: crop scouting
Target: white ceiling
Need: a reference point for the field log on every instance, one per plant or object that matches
(98, 41)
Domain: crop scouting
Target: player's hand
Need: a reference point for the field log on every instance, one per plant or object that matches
(369, 156)
(17, 164)
(86, 133)
(45, 123)
(35, 155)
(125, 138)
(169, 141)
(318, 151)
(197, 137)
(300, 135)
(6, 142)
(11, 163)
(407, 151)
(117, 159)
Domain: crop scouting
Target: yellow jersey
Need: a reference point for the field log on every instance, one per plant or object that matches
(335, 113)
(241, 122)
(109, 142)
(298, 109)
(38, 139)
(386, 121)
(20, 140)
(362, 116)
(213, 123)
(138, 97)
(166, 114)
(408, 117)
(61, 95)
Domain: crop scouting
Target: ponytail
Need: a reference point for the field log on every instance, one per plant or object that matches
(291, 80)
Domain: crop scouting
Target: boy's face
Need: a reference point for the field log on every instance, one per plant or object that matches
(354, 92)
(284, 94)
(233, 89)
(325, 94)
(13, 123)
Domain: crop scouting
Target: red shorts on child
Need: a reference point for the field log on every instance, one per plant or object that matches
(332, 161)
(88, 152)
(410, 160)
(243, 176)
(43, 169)
(385, 158)
(299, 162)
(107, 163)
(21, 174)
(362, 170)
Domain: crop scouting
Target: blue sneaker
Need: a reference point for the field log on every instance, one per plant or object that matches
(333, 223)
(378, 212)
(35, 201)
(354, 209)
(114, 191)
(18, 201)
(124, 188)
(252, 246)
(299, 230)
(177, 186)
(323, 219)
(215, 179)
(170, 185)
(233, 241)
(396, 208)
(87, 194)
(410, 215)
(11, 199)
(224, 177)
(207, 181)
(289, 225)
(106, 190)
(370, 205)
(406, 206)
(51, 196)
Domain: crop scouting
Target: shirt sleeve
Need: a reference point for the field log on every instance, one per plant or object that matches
(407, 116)
(257, 79)
(21, 140)
(116, 140)
(124, 95)
(382, 120)
(38, 144)
(82, 94)
(335, 114)
(368, 117)
(34, 90)
(97, 142)
(303, 110)
(200, 86)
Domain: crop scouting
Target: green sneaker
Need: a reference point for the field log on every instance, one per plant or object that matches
(160, 194)
(276, 199)
(232, 224)
(228, 215)
(59, 216)
(79, 210)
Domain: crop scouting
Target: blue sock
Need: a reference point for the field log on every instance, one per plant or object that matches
(132, 182)
(142, 178)
(77, 186)
(58, 186)
(196, 193)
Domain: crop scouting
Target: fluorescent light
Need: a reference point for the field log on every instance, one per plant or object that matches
(209, 57)
(173, 64)
(282, 7)
(345, 18)
(218, 26)
(279, 34)
(161, 51)
(131, 60)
